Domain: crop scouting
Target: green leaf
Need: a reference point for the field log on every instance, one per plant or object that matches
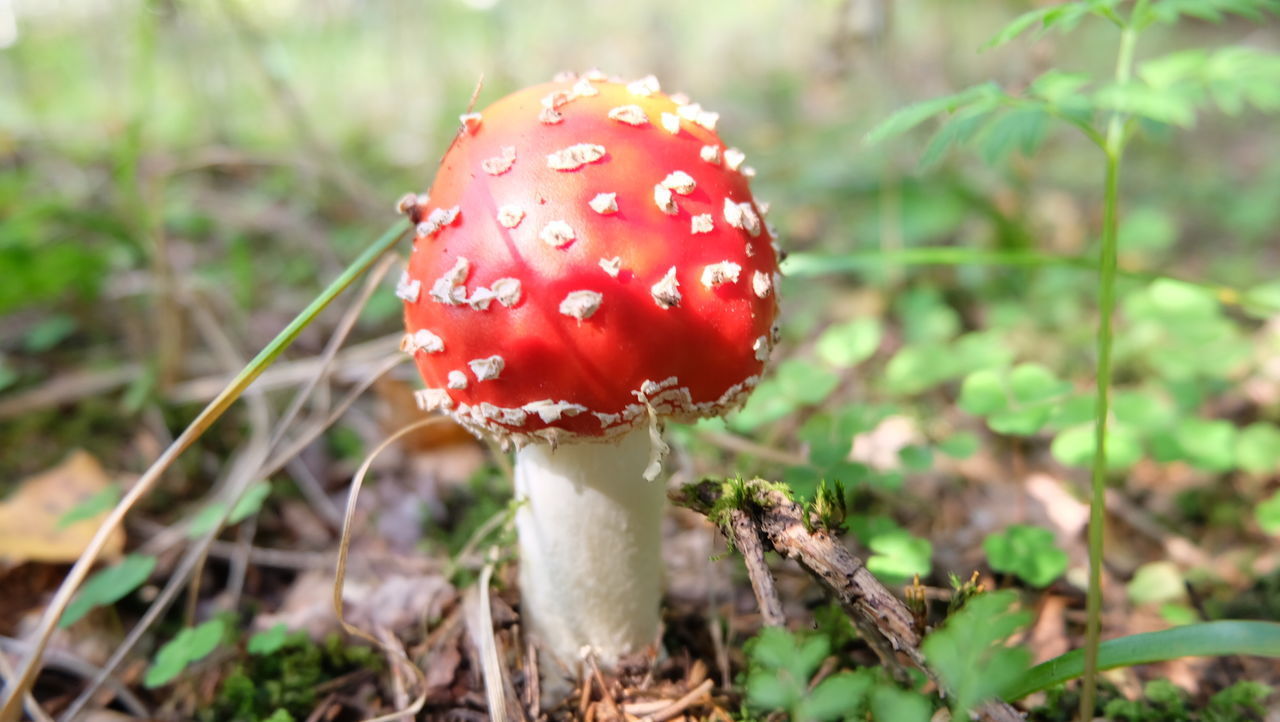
(269, 641)
(961, 445)
(805, 382)
(1170, 11)
(1240, 76)
(914, 369)
(1157, 582)
(1062, 16)
(1208, 639)
(1141, 100)
(1018, 402)
(957, 130)
(778, 649)
(191, 645)
(1173, 87)
(836, 697)
(897, 556)
(1032, 383)
(1207, 444)
(91, 507)
(1258, 448)
(916, 457)
(1018, 26)
(904, 119)
(969, 651)
(250, 502)
(108, 586)
(1263, 300)
(866, 527)
(795, 383)
(1075, 447)
(1058, 87)
(1268, 514)
(781, 664)
(767, 404)
(207, 519)
(1020, 421)
(918, 367)
(830, 435)
(1180, 300)
(204, 639)
(1140, 410)
(890, 704)
(1074, 410)
(849, 344)
(1028, 552)
(1178, 614)
(48, 333)
(926, 315)
(769, 691)
(1174, 69)
(1022, 129)
(983, 393)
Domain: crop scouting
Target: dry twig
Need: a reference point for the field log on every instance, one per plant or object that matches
(879, 616)
(745, 536)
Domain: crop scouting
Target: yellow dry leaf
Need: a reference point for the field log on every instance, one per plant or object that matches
(29, 518)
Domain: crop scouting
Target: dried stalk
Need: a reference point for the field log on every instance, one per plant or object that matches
(881, 618)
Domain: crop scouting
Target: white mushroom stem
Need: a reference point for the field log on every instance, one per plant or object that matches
(590, 550)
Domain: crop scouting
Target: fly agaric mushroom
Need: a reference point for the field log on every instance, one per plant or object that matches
(589, 262)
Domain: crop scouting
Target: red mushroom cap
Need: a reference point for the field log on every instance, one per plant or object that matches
(590, 253)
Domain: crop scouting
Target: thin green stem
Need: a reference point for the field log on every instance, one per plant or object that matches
(1106, 307)
(31, 665)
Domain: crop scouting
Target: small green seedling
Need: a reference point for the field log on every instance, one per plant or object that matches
(781, 667)
(191, 645)
(108, 586)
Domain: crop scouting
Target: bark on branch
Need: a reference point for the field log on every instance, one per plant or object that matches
(780, 524)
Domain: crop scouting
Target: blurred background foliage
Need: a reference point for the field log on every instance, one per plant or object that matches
(239, 153)
(248, 149)
(159, 155)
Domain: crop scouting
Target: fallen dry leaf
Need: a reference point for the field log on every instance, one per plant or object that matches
(1048, 637)
(30, 519)
(396, 602)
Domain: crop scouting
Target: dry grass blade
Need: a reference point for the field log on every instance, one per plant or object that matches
(340, 573)
(331, 348)
(80, 571)
(66, 388)
(240, 477)
(72, 664)
(347, 366)
(254, 454)
(313, 432)
(479, 622)
(28, 702)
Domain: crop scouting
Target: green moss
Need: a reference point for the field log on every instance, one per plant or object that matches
(280, 686)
